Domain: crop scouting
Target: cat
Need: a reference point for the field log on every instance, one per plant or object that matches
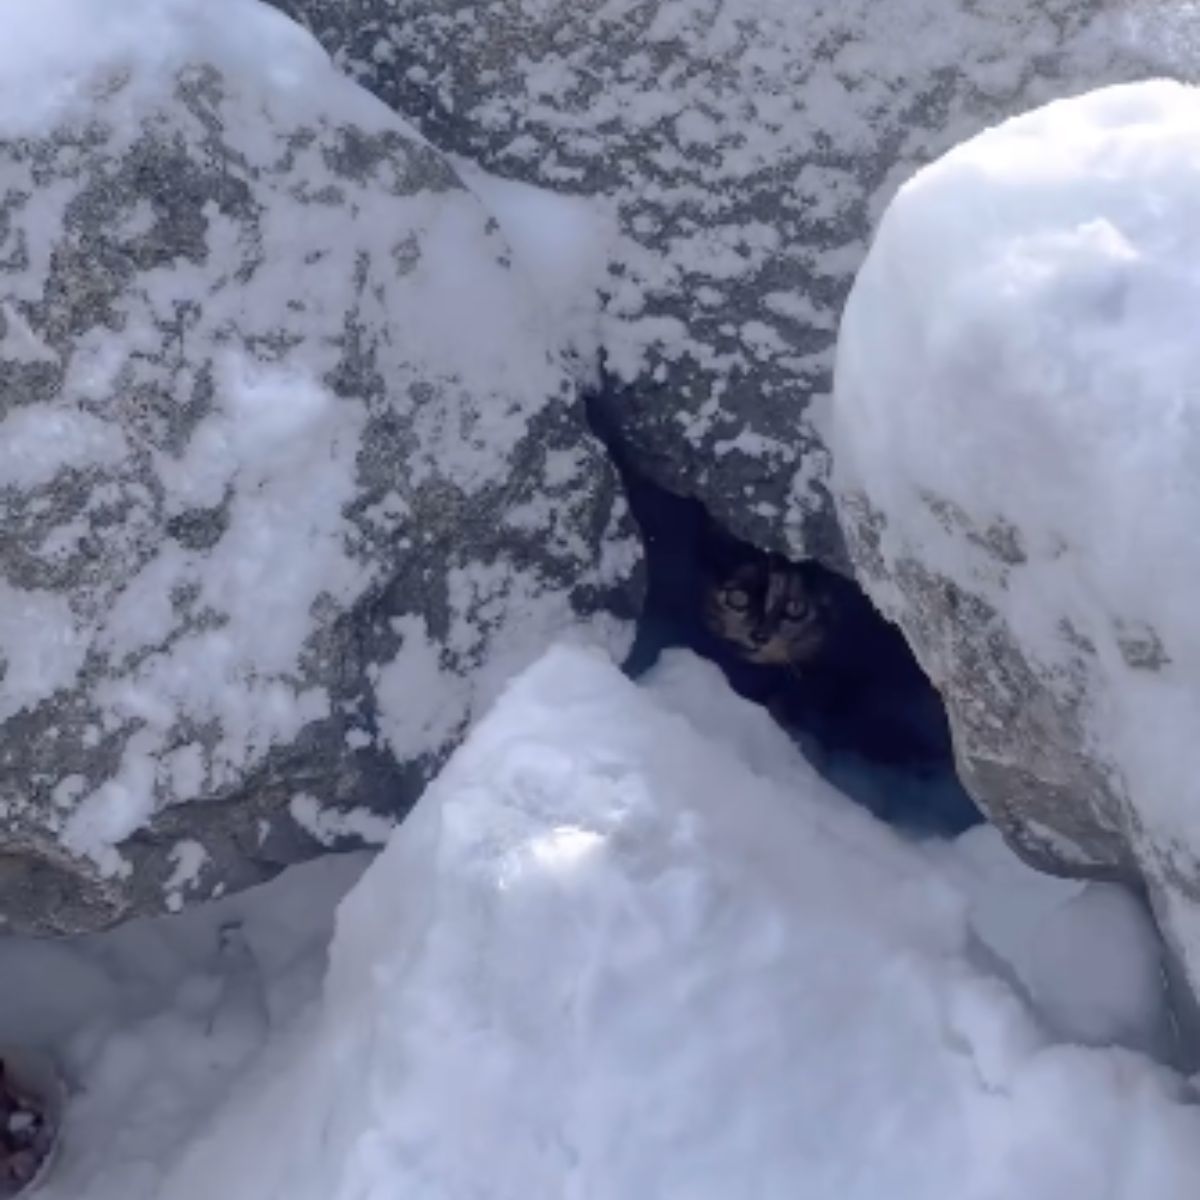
(808, 645)
(770, 612)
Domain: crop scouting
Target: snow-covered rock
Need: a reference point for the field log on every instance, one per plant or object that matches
(740, 151)
(607, 957)
(1017, 441)
(293, 476)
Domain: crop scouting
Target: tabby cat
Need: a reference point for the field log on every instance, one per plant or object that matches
(808, 644)
(770, 611)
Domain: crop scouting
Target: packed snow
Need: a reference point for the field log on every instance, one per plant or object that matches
(1019, 363)
(1085, 955)
(151, 1023)
(628, 944)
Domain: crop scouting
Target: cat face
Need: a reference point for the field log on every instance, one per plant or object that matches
(772, 614)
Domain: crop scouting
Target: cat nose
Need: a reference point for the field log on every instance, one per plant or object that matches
(759, 637)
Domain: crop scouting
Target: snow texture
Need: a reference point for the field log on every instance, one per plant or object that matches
(1085, 955)
(288, 453)
(745, 149)
(1017, 434)
(151, 1024)
(628, 945)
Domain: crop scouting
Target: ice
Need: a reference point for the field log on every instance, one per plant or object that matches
(1020, 346)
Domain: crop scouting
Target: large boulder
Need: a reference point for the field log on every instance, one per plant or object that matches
(745, 148)
(293, 477)
(1017, 449)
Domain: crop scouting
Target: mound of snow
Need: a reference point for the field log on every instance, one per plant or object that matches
(1017, 433)
(606, 957)
(1086, 954)
(152, 1022)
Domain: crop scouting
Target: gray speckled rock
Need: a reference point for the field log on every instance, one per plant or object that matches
(1021, 729)
(747, 145)
(292, 476)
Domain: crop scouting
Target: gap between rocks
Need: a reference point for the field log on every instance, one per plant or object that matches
(867, 718)
(865, 714)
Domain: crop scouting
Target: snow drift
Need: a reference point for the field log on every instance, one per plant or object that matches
(610, 955)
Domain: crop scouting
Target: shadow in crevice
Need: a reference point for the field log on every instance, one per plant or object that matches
(862, 709)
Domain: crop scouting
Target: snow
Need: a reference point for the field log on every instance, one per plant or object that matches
(153, 1021)
(37, 443)
(562, 242)
(1019, 350)
(1085, 954)
(189, 858)
(1167, 33)
(698, 121)
(57, 55)
(404, 689)
(628, 944)
(35, 663)
(330, 825)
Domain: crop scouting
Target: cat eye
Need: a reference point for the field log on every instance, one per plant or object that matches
(737, 599)
(795, 608)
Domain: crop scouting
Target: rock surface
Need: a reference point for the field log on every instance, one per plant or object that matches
(292, 475)
(1017, 445)
(746, 148)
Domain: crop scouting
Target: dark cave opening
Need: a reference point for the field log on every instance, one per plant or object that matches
(861, 709)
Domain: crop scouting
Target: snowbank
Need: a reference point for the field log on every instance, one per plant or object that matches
(609, 957)
(1085, 955)
(153, 1022)
(1017, 434)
